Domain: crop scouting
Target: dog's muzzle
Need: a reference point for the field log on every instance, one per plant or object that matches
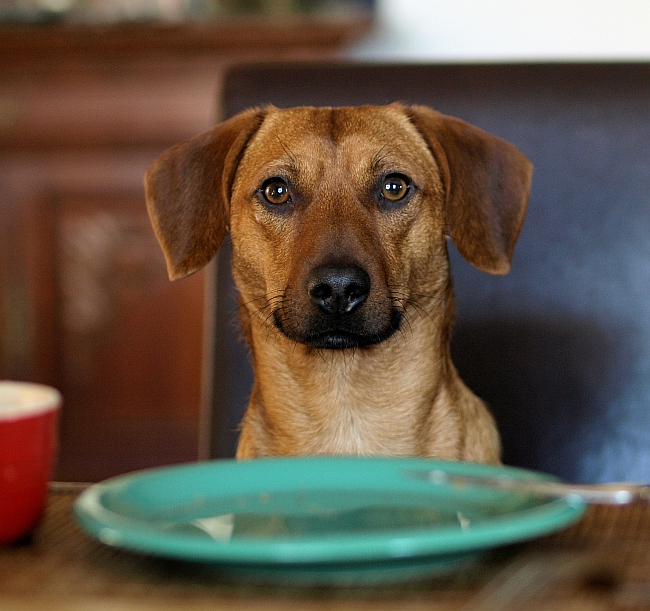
(337, 312)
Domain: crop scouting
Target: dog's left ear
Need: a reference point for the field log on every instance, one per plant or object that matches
(487, 183)
(188, 192)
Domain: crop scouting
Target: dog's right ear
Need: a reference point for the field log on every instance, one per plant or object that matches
(188, 192)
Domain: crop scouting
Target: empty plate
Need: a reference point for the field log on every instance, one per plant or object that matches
(319, 519)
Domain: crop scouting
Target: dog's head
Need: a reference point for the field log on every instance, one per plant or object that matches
(339, 216)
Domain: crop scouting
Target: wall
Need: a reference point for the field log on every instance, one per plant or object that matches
(498, 30)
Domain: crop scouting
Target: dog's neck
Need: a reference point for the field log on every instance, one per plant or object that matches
(365, 401)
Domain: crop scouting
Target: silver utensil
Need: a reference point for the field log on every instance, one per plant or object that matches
(603, 494)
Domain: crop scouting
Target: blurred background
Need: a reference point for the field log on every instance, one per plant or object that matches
(507, 30)
(92, 91)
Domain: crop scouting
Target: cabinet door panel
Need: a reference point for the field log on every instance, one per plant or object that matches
(127, 341)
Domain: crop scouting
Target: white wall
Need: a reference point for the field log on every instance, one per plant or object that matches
(509, 30)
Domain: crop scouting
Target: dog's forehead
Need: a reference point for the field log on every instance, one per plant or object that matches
(364, 133)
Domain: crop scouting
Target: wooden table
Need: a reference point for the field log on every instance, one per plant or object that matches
(603, 562)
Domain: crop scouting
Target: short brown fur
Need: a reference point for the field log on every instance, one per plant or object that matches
(396, 391)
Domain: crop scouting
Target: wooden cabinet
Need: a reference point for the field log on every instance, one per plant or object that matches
(85, 303)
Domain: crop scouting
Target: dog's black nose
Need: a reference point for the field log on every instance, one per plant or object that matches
(338, 289)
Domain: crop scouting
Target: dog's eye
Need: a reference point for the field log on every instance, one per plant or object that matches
(276, 191)
(394, 187)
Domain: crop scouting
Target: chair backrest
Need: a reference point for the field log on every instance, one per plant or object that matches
(559, 348)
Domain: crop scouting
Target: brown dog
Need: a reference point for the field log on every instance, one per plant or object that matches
(339, 219)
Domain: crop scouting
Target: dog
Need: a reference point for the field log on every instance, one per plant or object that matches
(339, 220)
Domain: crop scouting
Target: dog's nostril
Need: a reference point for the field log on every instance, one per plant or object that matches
(353, 294)
(337, 289)
(321, 291)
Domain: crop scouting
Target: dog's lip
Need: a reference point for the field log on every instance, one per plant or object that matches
(341, 339)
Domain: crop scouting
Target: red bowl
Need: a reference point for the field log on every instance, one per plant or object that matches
(28, 441)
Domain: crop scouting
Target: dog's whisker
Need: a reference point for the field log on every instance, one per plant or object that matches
(354, 352)
(406, 323)
(269, 321)
(269, 302)
(425, 295)
(402, 291)
(294, 348)
(348, 358)
(418, 307)
(319, 352)
(345, 360)
(404, 301)
(414, 299)
(264, 316)
(252, 300)
(265, 297)
(404, 330)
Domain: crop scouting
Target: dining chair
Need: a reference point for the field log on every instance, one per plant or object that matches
(560, 347)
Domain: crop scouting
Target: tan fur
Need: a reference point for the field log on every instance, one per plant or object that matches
(400, 396)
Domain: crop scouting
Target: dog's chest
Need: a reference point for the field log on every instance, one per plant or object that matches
(360, 420)
(371, 402)
(364, 437)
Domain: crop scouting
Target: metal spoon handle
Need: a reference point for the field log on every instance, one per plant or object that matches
(603, 494)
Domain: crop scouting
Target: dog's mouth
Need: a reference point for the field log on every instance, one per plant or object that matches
(341, 336)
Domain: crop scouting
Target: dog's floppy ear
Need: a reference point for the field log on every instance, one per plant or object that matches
(188, 192)
(487, 183)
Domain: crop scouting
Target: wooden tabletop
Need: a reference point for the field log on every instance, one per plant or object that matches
(603, 562)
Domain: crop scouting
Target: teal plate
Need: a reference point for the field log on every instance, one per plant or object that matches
(318, 519)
